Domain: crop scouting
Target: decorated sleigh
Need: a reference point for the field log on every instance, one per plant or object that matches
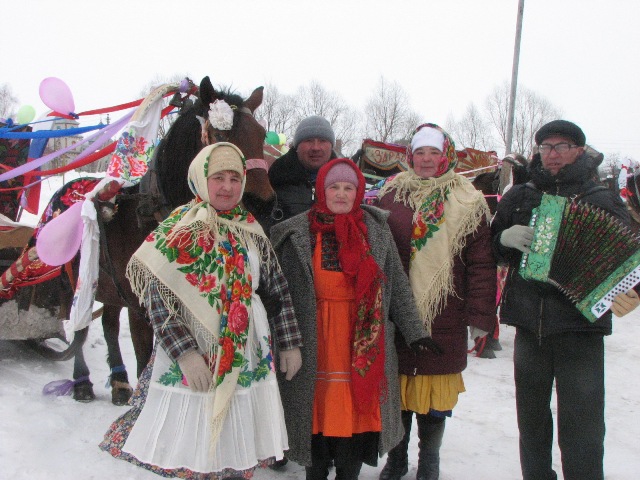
(378, 160)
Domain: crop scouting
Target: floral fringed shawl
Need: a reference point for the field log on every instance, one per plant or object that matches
(198, 259)
(446, 209)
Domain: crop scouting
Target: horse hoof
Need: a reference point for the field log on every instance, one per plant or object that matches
(83, 392)
(120, 393)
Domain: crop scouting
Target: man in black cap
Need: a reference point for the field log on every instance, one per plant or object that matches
(554, 341)
(293, 175)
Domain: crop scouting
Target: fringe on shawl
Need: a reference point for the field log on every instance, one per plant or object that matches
(411, 190)
(140, 277)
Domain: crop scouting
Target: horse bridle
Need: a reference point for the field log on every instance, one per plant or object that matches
(222, 136)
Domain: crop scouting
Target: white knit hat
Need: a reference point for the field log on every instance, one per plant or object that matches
(427, 137)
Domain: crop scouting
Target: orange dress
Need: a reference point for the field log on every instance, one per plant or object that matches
(333, 412)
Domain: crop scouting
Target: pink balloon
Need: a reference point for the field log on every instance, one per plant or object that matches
(60, 239)
(56, 95)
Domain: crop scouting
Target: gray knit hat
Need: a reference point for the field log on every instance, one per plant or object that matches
(314, 127)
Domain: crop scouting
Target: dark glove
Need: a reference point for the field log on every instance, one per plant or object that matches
(426, 343)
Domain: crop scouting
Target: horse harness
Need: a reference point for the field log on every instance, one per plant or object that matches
(148, 212)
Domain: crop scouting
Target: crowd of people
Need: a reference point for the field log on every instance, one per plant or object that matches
(320, 340)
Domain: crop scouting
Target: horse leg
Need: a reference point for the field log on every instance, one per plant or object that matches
(82, 386)
(120, 389)
(141, 336)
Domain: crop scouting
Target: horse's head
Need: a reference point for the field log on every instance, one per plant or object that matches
(185, 139)
(248, 135)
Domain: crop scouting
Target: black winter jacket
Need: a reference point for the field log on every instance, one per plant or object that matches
(543, 309)
(294, 185)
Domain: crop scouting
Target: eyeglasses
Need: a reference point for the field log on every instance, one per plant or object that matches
(561, 148)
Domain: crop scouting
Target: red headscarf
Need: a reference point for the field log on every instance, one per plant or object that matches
(356, 261)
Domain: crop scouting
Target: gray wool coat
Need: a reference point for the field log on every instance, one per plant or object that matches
(291, 241)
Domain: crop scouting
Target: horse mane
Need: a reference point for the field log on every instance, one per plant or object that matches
(183, 142)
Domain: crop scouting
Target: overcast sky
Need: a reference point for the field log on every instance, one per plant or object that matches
(582, 55)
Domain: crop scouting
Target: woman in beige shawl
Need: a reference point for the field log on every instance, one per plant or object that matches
(440, 224)
(208, 404)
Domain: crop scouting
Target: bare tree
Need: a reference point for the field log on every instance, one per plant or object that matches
(531, 112)
(412, 120)
(388, 113)
(8, 101)
(348, 131)
(610, 167)
(277, 111)
(472, 130)
(314, 99)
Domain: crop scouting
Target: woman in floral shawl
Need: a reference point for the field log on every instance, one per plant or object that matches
(347, 283)
(208, 404)
(440, 224)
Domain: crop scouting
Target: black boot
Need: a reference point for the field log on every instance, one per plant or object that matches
(320, 458)
(493, 343)
(317, 472)
(348, 471)
(279, 464)
(430, 432)
(397, 459)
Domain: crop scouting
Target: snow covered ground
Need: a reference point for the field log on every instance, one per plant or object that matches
(57, 438)
(45, 438)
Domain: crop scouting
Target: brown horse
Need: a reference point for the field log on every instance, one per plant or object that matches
(138, 212)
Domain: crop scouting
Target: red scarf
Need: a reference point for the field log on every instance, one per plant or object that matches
(356, 261)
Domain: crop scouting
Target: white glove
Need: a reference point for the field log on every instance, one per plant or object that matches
(290, 362)
(624, 303)
(475, 332)
(195, 369)
(518, 237)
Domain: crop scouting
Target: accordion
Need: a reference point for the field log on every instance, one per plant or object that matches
(585, 252)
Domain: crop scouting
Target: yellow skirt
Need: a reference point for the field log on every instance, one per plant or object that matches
(422, 393)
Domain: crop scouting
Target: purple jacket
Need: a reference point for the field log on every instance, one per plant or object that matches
(474, 304)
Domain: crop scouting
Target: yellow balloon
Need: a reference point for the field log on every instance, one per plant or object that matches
(25, 114)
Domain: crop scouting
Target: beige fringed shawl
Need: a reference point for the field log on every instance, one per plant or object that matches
(445, 210)
(198, 259)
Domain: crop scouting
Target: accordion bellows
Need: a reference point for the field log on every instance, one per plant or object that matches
(584, 251)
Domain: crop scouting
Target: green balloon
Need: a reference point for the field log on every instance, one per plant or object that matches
(272, 138)
(25, 114)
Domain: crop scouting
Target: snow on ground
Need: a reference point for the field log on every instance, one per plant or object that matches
(57, 438)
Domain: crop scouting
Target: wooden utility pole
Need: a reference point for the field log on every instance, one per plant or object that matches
(514, 77)
(505, 173)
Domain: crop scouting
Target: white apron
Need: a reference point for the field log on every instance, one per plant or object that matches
(173, 429)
